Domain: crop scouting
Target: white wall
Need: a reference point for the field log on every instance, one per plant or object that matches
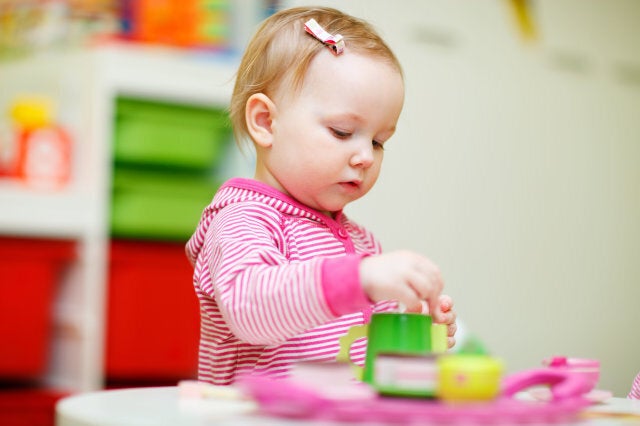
(516, 167)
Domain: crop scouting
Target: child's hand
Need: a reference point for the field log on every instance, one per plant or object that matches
(405, 276)
(445, 314)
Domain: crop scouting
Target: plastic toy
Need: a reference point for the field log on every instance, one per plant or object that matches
(468, 377)
(284, 398)
(43, 157)
(587, 368)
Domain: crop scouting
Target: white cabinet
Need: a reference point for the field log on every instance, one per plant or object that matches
(84, 85)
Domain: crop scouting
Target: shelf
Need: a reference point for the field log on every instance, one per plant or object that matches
(30, 212)
(86, 84)
(163, 73)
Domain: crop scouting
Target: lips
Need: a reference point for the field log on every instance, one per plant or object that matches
(351, 185)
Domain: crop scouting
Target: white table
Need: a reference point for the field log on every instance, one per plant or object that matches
(145, 406)
(162, 406)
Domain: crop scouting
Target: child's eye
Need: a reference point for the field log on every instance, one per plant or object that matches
(377, 145)
(340, 134)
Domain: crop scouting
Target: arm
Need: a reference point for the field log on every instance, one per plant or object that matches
(264, 297)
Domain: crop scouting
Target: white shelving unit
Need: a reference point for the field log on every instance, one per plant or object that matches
(85, 84)
(23, 212)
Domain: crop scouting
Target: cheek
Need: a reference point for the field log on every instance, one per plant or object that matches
(375, 168)
(373, 173)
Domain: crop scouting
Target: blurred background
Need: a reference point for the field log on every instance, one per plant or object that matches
(514, 167)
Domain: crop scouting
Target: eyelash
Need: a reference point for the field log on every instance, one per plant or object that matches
(340, 134)
(344, 135)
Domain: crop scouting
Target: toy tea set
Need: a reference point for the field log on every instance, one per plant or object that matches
(409, 377)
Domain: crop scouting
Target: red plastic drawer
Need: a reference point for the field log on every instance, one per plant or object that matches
(30, 271)
(152, 316)
(29, 406)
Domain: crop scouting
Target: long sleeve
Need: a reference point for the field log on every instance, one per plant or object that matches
(266, 291)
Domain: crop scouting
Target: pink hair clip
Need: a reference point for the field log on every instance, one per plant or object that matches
(335, 43)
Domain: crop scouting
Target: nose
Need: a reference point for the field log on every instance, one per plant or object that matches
(363, 155)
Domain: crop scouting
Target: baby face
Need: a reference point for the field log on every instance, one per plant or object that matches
(328, 139)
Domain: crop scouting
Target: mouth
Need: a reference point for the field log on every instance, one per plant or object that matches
(351, 185)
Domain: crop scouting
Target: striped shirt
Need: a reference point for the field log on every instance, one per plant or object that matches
(277, 283)
(635, 388)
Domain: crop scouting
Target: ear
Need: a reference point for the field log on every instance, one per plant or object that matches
(259, 113)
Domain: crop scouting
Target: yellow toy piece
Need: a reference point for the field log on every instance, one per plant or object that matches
(30, 112)
(468, 377)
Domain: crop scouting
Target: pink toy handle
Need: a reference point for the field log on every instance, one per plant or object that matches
(563, 384)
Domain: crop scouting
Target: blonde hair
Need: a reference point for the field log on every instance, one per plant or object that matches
(282, 50)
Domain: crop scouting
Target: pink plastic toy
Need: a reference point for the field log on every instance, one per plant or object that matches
(284, 398)
(585, 367)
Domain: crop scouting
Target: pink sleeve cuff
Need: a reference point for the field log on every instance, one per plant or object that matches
(341, 284)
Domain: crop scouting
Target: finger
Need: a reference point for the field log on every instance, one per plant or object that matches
(451, 342)
(424, 267)
(434, 308)
(437, 284)
(420, 284)
(446, 303)
(444, 317)
(451, 329)
(427, 290)
(415, 309)
(406, 295)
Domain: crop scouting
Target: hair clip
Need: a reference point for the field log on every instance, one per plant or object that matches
(335, 43)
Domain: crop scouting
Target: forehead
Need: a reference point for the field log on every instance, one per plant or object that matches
(353, 77)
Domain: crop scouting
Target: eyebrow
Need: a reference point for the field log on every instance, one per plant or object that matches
(348, 115)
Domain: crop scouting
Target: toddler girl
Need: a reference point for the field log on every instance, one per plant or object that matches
(280, 271)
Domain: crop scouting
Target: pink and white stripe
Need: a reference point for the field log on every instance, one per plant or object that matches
(635, 388)
(265, 303)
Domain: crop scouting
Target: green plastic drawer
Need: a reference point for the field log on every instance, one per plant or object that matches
(158, 206)
(152, 133)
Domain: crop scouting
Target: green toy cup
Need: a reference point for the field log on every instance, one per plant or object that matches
(388, 333)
